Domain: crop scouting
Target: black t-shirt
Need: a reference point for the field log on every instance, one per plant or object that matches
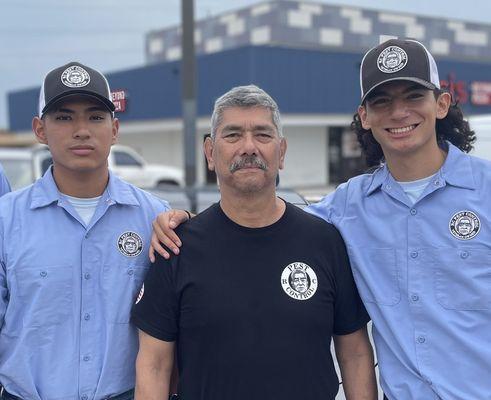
(253, 309)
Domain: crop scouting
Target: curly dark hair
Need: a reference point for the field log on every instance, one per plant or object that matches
(453, 128)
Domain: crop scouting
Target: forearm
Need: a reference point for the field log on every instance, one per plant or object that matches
(152, 382)
(355, 357)
(358, 375)
(153, 368)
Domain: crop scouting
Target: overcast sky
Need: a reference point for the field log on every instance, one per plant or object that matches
(38, 35)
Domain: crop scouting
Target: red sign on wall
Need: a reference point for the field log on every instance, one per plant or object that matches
(481, 93)
(119, 98)
(457, 89)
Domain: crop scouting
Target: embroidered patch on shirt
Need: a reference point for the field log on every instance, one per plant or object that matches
(464, 225)
(299, 281)
(130, 244)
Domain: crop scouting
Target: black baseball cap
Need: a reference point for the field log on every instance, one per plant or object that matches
(397, 59)
(73, 79)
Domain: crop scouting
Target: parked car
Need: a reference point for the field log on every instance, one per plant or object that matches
(23, 165)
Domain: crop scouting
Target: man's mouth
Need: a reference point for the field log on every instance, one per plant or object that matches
(402, 130)
(82, 150)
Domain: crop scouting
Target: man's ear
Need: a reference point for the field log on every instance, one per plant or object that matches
(283, 146)
(443, 103)
(38, 127)
(208, 149)
(362, 113)
(115, 130)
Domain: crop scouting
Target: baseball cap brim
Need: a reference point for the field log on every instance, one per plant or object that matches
(78, 93)
(421, 82)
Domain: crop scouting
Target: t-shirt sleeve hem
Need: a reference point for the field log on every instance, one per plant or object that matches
(152, 330)
(352, 328)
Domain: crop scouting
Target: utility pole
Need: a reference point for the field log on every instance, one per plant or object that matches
(188, 84)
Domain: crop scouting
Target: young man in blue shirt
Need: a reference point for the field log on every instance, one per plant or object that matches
(73, 254)
(417, 230)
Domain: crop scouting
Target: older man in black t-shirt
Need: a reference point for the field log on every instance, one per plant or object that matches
(252, 306)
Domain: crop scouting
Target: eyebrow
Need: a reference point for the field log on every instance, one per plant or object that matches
(228, 128)
(89, 109)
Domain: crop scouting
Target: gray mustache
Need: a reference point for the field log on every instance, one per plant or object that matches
(248, 161)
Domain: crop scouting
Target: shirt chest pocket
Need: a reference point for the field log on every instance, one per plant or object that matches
(376, 275)
(121, 285)
(462, 278)
(45, 294)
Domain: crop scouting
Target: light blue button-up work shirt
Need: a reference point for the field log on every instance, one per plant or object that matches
(66, 290)
(423, 271)
(4, 183)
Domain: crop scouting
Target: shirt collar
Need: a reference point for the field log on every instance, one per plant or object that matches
(45, 191)
(456, 171)
(380, 175)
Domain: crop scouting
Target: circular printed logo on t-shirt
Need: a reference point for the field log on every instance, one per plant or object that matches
(299, 281)
(75, 77)
(130, 244)
(140, 295)
(464, 225)
(392, 59)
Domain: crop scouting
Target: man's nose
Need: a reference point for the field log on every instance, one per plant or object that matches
(249, 144)
(400, 109)
(81, 130)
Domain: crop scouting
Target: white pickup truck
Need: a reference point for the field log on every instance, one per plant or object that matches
(23, 165)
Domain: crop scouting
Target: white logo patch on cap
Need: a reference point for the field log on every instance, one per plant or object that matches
(140, 295)
(464, 225)
(299, 281)
(392, 59)
(75, 77)
(130, 244)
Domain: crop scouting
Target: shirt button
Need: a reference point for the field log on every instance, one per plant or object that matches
(414, 297)
(86, 358)
(464, 254)
(421, 339)
(87, 317)
(130, 272)
(84, 397)
(414, 254)
(388, 187)
(86, 236)
(413, 211)
(437, 182)
(87, 276)
(43, 274)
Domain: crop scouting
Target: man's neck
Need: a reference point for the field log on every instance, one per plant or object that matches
(411, 167)
(81, 184)
(253, 210)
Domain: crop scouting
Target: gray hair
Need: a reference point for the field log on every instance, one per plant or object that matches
(247, 97)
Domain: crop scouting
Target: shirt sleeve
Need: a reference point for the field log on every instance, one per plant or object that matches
(4, 293)
(157, 308)
(349, 311)
(4, 183)
(331, 207)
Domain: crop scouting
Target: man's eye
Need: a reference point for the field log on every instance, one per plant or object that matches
(415, 96)
(379, 101)
(63, 117)
(97, 117)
